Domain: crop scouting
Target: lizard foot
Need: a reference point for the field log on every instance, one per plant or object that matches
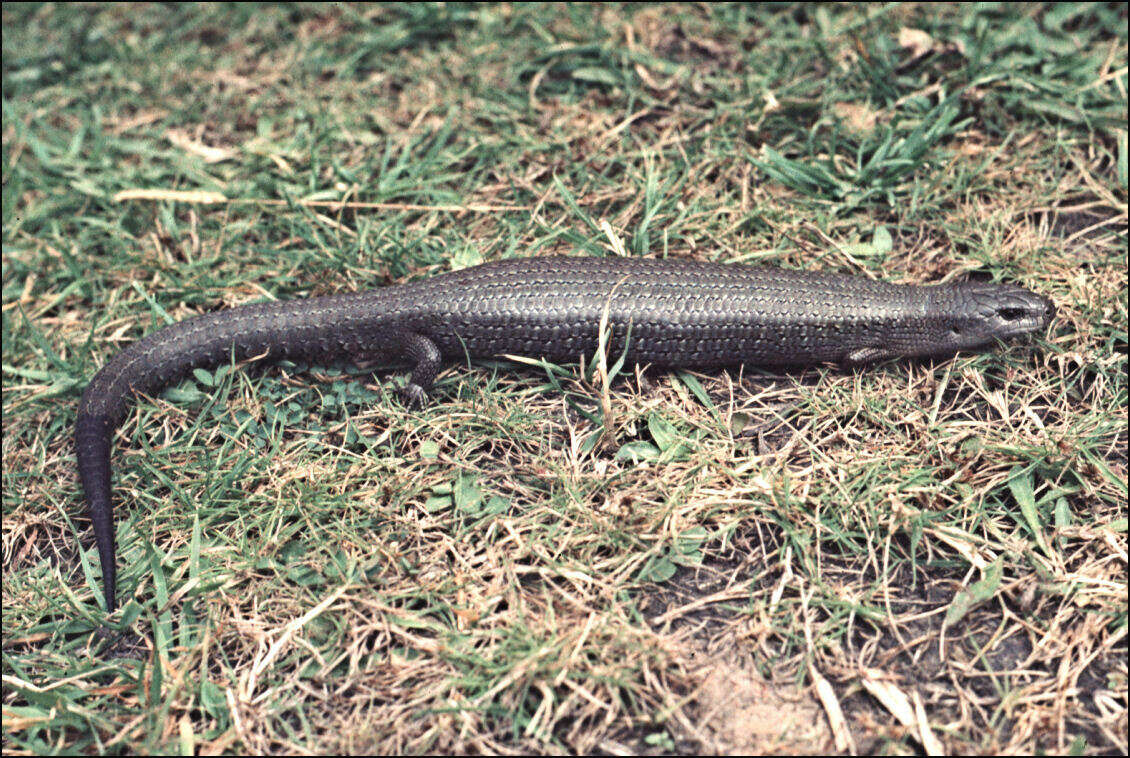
(412, 395)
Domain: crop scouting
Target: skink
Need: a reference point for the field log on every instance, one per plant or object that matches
(674, 313)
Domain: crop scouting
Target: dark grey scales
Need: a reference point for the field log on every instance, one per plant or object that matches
(682, 313)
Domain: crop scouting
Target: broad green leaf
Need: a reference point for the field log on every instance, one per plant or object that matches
(975, 594)
(882, 242)
(1021, 486)
(466, 493)
(659, 569)
(662, 431)
(637, 451)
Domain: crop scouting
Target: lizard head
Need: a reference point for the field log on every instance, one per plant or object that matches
(979, 314)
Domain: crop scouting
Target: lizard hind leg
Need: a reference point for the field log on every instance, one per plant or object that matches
(425, 358)
(866, 355)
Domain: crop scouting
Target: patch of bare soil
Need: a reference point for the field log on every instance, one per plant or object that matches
(740, 713)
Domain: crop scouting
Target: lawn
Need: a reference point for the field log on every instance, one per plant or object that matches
(921, 556)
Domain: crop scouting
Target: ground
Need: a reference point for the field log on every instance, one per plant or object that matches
(924, 556)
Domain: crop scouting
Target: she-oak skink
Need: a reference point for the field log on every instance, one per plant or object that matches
(675, 313)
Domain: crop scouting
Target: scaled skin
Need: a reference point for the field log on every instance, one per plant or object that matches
(679, 313)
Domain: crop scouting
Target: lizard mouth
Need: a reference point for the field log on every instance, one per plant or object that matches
(1023, 313)
(1006, 311)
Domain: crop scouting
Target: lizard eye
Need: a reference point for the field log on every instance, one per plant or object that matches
(1011, 313)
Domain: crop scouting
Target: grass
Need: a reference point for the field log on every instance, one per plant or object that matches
(923, 556)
